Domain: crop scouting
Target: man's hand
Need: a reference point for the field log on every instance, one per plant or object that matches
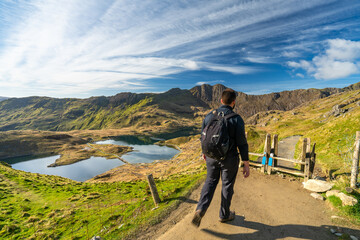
(246, 169)
(204, 157)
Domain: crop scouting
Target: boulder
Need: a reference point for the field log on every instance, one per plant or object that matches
(317, 196)
(318, 185)
(345, 199)
(332, 193)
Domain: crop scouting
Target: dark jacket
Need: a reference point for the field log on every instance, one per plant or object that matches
(236, 132)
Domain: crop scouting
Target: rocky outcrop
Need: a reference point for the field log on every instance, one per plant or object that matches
(345, 199)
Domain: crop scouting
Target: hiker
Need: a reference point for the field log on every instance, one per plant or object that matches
(227, 167)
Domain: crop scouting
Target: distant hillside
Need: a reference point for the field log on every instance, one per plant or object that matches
(172, 110)
(3, 98)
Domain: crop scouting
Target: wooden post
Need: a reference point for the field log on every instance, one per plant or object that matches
(303, 154)
(153, 189)
(267, 149)
(312, 161)
(271, 154)
(355, 163)
(275, 148)
(307, 160)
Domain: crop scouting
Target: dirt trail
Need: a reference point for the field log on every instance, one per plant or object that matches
(266, 206)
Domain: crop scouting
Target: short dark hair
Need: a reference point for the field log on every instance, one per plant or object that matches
(228, 96)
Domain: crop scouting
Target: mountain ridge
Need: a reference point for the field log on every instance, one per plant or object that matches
(172, 109)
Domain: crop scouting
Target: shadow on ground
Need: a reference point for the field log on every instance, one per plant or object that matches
(263, 231)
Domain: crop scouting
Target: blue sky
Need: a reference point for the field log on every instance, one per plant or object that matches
(76, 48)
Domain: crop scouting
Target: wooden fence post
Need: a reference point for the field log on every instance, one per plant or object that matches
(307, 160)
(153, 189)
(275, 148)
(303, 154)
(267, 148)
(271, 152)
(355, 163)
(312, 160)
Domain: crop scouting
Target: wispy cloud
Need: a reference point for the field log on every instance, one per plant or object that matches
(211, 82)
(341, 59)
(70, 47)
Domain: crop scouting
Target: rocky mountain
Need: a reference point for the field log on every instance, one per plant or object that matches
(248, 105)
(170, 110)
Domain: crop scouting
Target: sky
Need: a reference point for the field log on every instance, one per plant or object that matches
(77, 48)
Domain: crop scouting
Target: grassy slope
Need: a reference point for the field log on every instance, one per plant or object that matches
(35, 206)
(168, 110)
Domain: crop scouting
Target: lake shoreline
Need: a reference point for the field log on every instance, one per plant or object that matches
(68, 149)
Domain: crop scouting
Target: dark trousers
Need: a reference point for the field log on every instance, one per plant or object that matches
(227, 170)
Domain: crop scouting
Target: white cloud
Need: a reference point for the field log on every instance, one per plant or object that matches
(290, 54)
(341, 59)
(211, 82)
(260, 59)
(76, 47)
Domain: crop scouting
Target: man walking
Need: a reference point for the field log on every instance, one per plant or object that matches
(226, 168)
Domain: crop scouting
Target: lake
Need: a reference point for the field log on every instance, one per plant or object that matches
(144, 152)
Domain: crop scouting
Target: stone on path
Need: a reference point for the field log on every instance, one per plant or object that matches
(318, 185)
(317, 196)
(345, 199)
(353, 237)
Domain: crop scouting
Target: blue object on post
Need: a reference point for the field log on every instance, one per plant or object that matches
(264, 159)
(271, 159)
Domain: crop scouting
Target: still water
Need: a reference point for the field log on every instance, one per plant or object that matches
(144, 152)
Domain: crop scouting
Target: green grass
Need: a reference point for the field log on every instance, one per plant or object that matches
(335, 201)
(351, 212)
(35, 206)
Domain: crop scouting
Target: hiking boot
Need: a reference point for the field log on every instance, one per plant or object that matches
(197, 218)
(230, 218)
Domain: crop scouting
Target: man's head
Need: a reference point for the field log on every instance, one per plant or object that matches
(228, 97)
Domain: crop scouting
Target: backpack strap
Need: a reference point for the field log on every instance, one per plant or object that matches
(230, 115)
(226, 117)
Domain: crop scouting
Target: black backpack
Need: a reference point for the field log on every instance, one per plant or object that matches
(215, 140)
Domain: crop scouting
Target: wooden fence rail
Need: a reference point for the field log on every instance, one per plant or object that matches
(269, 161)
